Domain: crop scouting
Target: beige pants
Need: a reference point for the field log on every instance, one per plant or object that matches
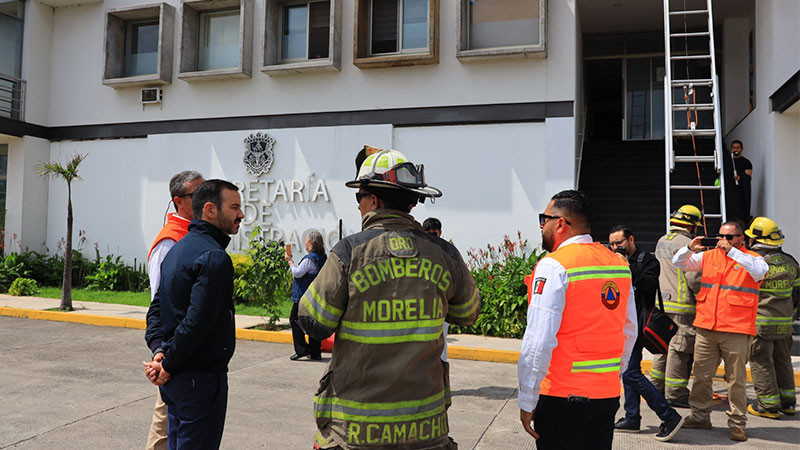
(679, 360)
(734, 349)
(157, 439)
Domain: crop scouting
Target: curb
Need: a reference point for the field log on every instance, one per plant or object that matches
(454, 352)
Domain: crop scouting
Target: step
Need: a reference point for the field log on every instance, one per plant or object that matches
(698, 132)
(712, 216)
(693, 82)
(688, 12)
(697, 106)
(694, 188)
(696, 159)
(692, 34)
(685, 57)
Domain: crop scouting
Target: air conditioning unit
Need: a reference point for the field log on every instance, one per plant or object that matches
(151, 95)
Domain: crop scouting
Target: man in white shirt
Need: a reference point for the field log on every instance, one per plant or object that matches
(581, 330)
(181, 187)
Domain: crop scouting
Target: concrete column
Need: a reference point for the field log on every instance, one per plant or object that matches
(26, 200)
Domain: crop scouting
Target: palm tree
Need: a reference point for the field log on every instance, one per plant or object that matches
(54, 169)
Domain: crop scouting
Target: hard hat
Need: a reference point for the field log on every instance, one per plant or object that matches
(687, 215)
(386, 168)
(765, 231)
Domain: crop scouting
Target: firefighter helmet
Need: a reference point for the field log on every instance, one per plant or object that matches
(765, 231)
(687, 215)
(382, 168)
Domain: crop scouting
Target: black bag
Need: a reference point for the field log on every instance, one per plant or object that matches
(658, 329)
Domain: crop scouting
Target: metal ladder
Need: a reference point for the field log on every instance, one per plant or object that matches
(685, 78)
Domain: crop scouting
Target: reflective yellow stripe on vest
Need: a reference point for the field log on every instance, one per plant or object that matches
(762, 320)
(380, 412)
(322, 312)
(593, 272)
(467, 309)
(598, 366)
(391, 332)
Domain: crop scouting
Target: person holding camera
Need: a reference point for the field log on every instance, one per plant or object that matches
(644, 272)
(725, 321)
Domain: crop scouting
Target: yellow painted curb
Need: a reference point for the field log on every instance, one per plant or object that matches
(482, 354)
(73, 317)
(647, 365)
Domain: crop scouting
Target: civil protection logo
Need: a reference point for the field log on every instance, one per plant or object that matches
(258, 154)
(609, 294)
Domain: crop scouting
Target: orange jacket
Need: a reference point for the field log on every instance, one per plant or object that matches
(175, 229)
(728, 297)
(591, 340)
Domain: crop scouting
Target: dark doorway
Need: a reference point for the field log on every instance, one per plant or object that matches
(603, 84)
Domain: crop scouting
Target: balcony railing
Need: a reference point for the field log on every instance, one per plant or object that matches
(12, 97)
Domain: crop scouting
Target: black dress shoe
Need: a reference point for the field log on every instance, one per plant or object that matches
(295, 357)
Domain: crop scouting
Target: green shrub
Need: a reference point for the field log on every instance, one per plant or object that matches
(262, 276)
(112, 274)
(23, 287)
(499, 274)
(10, 269)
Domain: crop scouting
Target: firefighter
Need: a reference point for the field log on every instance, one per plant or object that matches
(770, 357)
(386, 292)
(670, 372)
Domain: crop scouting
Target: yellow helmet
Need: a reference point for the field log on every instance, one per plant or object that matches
(765, 231)
(687, 215)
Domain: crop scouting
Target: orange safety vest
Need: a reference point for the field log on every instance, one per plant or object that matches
(728, 297)
(586, 361)
(175, 229)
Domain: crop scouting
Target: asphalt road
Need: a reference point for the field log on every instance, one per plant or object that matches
(72, 386)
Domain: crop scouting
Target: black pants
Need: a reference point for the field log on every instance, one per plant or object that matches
(196, 407)
(299, 338)
(570, 425)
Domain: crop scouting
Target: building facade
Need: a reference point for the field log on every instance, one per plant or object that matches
(491, 96)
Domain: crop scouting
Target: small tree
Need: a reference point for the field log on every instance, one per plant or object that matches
(54, 169)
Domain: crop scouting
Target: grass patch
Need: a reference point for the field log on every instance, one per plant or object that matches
(142, 299)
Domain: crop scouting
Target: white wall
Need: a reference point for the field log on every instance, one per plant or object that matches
(771, 140)
(36, 71)
(77, 95)
(494, 179)
(26, 197)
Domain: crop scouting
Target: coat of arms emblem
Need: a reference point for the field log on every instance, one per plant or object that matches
(258, 154)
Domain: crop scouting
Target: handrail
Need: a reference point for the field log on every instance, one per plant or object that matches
(12, 97)
(669, 162)
(579, 157)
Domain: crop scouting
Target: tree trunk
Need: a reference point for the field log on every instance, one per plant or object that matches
(66, 284)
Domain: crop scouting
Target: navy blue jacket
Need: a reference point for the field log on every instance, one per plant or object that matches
(191, 316)
(299, 285)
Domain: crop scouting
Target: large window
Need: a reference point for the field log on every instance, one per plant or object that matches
(305, 30)
(396, 32)
(302, 36)
(139, 45)
(11, 87)
(501, 28)
(216, 39)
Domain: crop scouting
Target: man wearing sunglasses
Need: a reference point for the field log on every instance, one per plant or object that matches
(386, 292)
(181, 188)
(725, 321)
(580, 334)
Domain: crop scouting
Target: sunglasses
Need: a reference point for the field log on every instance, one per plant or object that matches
(728, 237)
(543, 218)
(361, 195)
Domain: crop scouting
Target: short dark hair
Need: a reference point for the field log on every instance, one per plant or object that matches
(431, 224)
(737, 142)
(210, 191)
(576, 203)
(177, 184)
(394, 198)
(626, 230)
(737, 226)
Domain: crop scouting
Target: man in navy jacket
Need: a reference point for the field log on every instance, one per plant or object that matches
(191, 321)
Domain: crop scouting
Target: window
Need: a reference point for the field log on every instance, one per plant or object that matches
(11, 86)
(216, 39)
(302, 36)
(396, 33)
(305, 31)
(501, 28)
(138, 46)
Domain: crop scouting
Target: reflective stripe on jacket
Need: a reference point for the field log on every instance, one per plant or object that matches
(728, 297)
(586, 361)
(677, 287)
(778, 294)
